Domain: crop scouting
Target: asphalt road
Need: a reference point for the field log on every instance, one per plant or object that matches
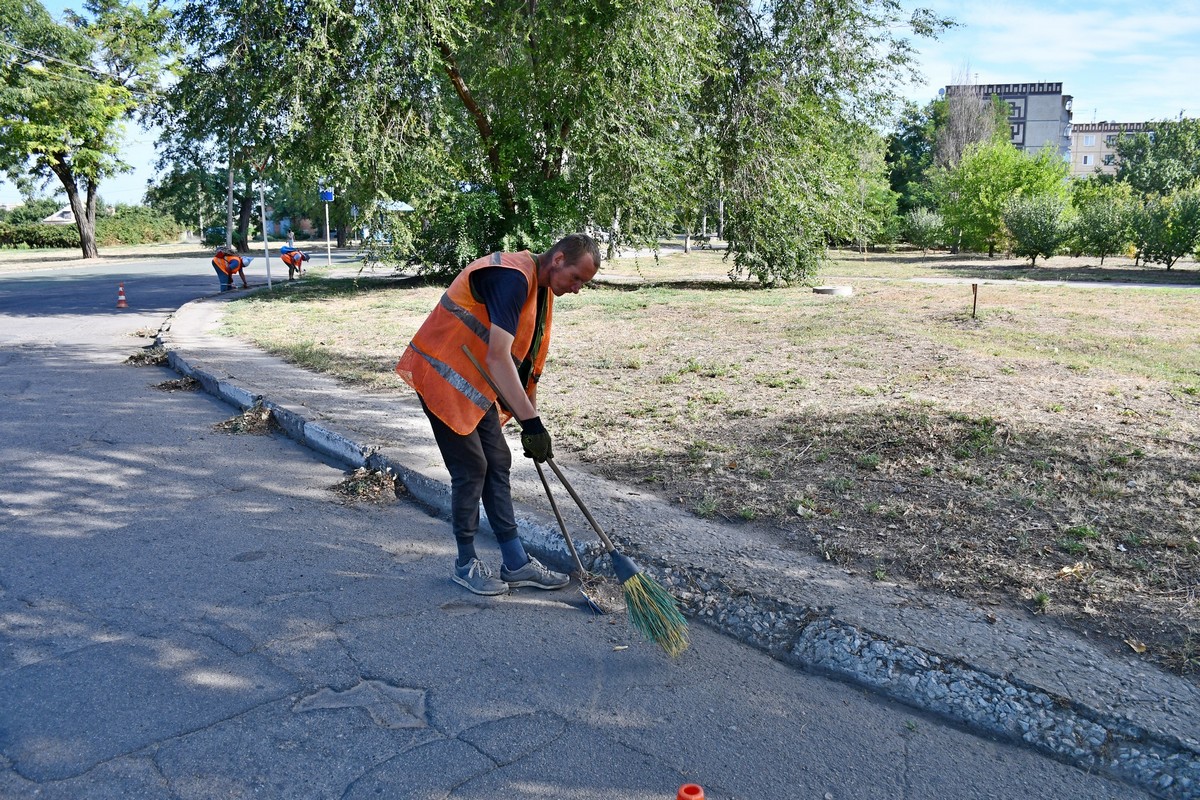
(190, 614)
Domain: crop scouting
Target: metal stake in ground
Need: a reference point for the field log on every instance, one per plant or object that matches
(651, 608)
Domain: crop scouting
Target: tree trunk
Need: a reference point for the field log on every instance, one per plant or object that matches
(687, 240)
(612, 237)
(83, 209)
(245, 206)
(342, 235)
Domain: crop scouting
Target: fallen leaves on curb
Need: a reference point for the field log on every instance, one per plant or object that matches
(255, 420)
(153, 356)
(178, 385)
(371, 486)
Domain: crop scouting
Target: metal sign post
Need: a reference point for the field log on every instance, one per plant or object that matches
(327, 196)
(262, 209)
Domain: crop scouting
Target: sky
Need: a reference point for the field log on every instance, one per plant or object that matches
(1121, 61)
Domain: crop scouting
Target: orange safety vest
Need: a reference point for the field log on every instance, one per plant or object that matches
(293, 258)
(436, 366)
(228, 263)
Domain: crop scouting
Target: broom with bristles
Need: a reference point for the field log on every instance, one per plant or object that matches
(651, 608)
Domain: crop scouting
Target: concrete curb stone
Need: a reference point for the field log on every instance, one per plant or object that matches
(813, 638)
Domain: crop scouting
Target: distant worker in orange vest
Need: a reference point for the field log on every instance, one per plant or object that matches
(227, 265)
(294, 260)
(500, 307)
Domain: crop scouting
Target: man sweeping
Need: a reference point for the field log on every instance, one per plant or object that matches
(500, 307)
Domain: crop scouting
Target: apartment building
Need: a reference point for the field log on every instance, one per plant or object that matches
(1094, 146)
(1039, 113)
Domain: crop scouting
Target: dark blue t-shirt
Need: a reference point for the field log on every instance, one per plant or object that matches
(503, 292)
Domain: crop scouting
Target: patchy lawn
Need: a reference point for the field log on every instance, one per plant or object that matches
(1045, 453)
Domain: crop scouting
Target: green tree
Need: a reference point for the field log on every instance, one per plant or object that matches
(909, 154)
(1169, 227)
(66, 89)
(1038, 225)
(227, 106)
(189, 195)
(924, 228)
(1103, 217)
(1161, 159)
(972, 195)
(794, 112)
(32, 210)
(513, 123)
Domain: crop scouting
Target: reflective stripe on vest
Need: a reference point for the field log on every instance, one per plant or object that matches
(454, 379)
(434, 363)
(466, 317)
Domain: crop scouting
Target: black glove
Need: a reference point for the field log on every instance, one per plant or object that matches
(536, 440)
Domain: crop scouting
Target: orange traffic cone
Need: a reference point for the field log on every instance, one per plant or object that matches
(121, 296)
(690, 791)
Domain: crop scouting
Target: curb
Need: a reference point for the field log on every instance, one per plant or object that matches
(812, 639)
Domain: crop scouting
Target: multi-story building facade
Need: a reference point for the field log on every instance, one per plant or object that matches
(1039, 113)
(1094, 146)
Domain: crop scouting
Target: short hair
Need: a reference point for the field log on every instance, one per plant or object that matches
(575, 246)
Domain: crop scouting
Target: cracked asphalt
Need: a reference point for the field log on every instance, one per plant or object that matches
(191, 614)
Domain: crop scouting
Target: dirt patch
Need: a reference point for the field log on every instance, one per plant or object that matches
(153, 356)
(256, 420)
(369, 486)
(179, 385)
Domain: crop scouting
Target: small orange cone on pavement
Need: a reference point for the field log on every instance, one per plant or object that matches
(690, 791)
(121, 296)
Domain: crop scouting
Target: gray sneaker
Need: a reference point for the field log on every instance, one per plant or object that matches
(477, 578)
(535, 574)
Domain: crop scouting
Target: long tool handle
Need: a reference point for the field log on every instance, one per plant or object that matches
(562, 526)
(608, 545)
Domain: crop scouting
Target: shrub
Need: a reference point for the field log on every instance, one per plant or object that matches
(1038, 225)
(135, 225)
(129, 225)
(1168, 228)
(36, 234)
(31, 211)
(1103, 221)
(924, 228)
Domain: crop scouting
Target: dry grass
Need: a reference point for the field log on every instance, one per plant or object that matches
(1045, 453)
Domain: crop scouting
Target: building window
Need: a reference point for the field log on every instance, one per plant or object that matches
(1089, 160)
(1109, 160)
(1089, 140)
(1111, 139)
